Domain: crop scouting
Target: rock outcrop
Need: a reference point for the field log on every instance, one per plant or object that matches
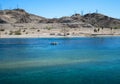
(99, 20)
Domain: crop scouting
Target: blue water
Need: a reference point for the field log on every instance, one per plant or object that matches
(71, 61)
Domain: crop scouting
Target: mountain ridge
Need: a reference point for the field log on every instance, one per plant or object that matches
(92, 19)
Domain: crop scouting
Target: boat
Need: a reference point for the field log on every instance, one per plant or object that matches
(53, 43)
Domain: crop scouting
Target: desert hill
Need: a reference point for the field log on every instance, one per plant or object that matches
(76, 20)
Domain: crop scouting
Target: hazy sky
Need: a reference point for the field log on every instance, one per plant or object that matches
(58, 8)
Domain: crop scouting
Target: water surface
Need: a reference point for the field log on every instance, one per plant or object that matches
(71, 61)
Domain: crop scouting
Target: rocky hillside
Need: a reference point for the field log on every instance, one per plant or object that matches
(76, 20)
(100, 20)
(17, 16)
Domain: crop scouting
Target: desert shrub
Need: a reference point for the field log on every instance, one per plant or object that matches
(95, 30)
(23, 30)
(115, 27)
(11, 33)
(52, 33)
(48, 28)
(38, 30)
(18, 32)
(2, 29)
(68, 33)
(32, 28)
(6, 33)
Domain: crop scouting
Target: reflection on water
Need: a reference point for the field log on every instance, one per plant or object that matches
(71, 61)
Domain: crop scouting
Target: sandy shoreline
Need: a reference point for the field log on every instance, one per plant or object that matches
(48, 36)
(53, 31)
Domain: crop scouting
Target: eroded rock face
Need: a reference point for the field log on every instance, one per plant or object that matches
(24, 19)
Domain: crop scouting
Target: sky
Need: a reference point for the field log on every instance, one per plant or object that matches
(59, 8)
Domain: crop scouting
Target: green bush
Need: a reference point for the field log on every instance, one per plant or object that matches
(18, 32)
(11, 33)
(48, 28)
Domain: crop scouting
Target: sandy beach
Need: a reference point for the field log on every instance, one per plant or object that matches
(52, 30)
